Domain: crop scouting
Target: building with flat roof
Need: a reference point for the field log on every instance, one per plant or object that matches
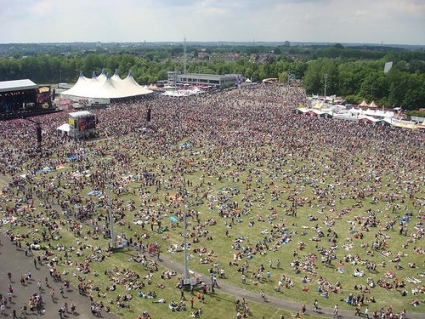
(213, 80)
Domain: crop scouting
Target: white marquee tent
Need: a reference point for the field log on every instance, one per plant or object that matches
(106, 87)
(64, 128)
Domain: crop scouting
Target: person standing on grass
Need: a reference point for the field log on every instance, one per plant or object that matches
(316, 305)
(303, 308)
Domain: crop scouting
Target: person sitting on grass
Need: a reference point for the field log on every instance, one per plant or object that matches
(162, 300)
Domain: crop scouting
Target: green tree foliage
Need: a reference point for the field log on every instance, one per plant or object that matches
(355, 73)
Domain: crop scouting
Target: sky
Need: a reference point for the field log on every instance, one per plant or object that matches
(333, 21)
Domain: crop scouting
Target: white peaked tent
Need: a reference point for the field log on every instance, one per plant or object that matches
(106, 87)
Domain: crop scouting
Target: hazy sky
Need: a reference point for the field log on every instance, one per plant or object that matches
(360, 21)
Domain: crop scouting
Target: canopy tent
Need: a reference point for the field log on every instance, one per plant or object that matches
(106, 87)
(63, 128)
(368, 119)
(373, 104)
(317, 105)
(363, 104)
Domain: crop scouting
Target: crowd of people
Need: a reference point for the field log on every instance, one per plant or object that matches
(248, 136)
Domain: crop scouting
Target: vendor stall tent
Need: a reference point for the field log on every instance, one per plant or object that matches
(63, 129)
(363, 104)
(106, 87)
(373, 105)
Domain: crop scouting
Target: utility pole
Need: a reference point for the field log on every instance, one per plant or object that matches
(186, 272)
(183, 193)
(111, 217)
(326, 79)
(109, 192)
(184, 56)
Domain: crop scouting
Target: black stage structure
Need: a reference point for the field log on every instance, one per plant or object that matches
(21, 98)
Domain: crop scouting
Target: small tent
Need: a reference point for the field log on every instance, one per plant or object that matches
(64, 128)
(373, 105)
(363, 104)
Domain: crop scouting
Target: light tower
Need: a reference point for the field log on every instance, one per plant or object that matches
(326, 79)
(184, 56)
(111, 218)
(186, 272)
(183, 193)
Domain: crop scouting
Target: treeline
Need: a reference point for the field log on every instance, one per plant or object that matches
(355, 73)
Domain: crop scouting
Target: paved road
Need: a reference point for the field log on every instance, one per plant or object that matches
(14, 261)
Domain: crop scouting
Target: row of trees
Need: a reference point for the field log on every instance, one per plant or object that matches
(353, 74)
(366, 80)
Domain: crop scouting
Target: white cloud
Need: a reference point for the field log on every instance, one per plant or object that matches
(362, 21)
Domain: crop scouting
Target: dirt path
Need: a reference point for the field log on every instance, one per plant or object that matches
(280, 303)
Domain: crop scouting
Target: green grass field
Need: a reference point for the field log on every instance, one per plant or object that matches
(278, 197)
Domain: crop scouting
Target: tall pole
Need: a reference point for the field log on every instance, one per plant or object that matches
(184, 56)
(111, 219)
(326, 78)
(186, 273)
(109, 203)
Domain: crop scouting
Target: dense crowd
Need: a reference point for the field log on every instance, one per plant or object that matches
(252, 130)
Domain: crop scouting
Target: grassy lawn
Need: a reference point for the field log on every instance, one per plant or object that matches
(279, 207)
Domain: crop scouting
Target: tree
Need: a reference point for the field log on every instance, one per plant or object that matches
(92, 63)
(373, 87)
(415, 92)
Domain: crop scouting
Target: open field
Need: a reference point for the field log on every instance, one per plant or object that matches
(339, 205)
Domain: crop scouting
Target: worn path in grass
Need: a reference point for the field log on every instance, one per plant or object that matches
(274, 302)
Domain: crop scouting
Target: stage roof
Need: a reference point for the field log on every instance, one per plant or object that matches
(17, 85)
